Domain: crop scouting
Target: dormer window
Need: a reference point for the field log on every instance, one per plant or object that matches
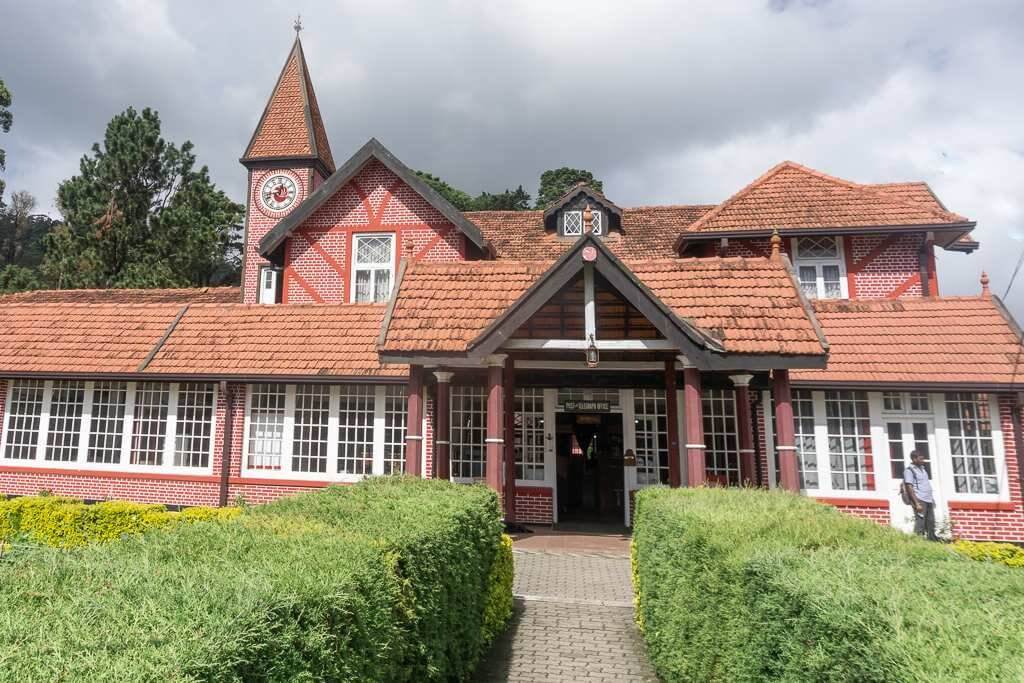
(565, 216)
(572, 222)
(819, 266)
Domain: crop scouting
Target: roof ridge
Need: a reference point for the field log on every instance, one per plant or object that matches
(736, 196)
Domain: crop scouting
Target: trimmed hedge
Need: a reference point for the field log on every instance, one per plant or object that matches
(69, 523)
(987, 551)
(384, 581)
(499, 592)
(749, 585)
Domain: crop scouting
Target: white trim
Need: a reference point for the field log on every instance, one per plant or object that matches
(372, 267)
(589, 305)
(838, 260)
(582, 344)
(84, 426)
(619, 366)
(696, 445)
(769, 437)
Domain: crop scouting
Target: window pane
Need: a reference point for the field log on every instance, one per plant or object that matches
(970, 443)
(529, 434)
(651, 437)
(468, 431)
(892, 401)
(381, 285)
(809, 281)
(597, 224)
(66, 404)
(833, 286)
(572, 222)
(363, 279)
(817, 247)
(395, 417)
(309, 440)
(721, 452)
(373, 250)
(355, 428)
(106, 428)
(193, 437)
(849, 438)
(149, 427)
(806, 443)
(266, 426)
(26, 409)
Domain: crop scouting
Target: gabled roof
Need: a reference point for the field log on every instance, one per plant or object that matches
(574, 192)
(971, 341)
(794, 198)
(291, 127)
(220, 295)
(753, 304)
(373, 149)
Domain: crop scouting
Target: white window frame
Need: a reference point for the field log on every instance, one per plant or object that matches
(998, 452)
(817, 263)
(577, 216)
(80, 461)
(454, 444)
(372, 267)
(531, 453)
(721, 436)
(286, 470)
(275, 275)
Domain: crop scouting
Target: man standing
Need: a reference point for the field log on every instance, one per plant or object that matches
(919, 489)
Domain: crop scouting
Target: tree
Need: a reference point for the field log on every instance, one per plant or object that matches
(139, 214)
(556, 182)
(22, 232)
(6, 119)
(509, 200)
(18, 279)
(456, 197)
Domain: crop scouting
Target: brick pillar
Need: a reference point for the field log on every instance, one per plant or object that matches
(672, 418)
(443, 430)
(694, 416)
(510, 440)
(790, 477)
(414, 422)
(495, 421)
(745, 430)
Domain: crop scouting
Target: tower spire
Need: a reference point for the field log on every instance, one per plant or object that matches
(297, 25)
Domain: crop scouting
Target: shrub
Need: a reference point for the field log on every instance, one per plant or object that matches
(69, 523)
(499, 591)
(383, 581)
(750, 585)
(1003, 553)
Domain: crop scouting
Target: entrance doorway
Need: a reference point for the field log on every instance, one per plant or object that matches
(589, 449)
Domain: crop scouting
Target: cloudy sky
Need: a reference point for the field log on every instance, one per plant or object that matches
(666, 102)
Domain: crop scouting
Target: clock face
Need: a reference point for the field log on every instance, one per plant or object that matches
(278, 192)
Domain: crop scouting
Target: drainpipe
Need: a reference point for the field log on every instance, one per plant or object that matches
(225, 453)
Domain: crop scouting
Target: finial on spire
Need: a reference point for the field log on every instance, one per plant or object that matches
(776, 244)
(588, 220)
(985, 293)
(297, 25)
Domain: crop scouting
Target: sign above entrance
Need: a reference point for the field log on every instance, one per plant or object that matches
(586, 407)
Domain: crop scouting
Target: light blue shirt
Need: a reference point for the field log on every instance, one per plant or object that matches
(917, 477)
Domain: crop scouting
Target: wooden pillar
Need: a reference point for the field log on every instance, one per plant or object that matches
(495, 421)
(510, 440)
(672, 418)
(414, 422)
(694, 417)
(745, 430)
(443, 430)
(784, 437)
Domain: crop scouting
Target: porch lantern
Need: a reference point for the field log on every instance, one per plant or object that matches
(593, 357)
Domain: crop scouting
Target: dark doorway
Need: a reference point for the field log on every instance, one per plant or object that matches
(589, 451)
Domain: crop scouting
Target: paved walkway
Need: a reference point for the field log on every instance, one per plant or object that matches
(573, 616)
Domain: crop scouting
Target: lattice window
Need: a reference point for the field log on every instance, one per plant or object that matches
(597, 222)
(355, 428)
(106, 426)
(819, 267)
(971, 444)
(25, 411)
(721, 452)
(395, 417)
(67, 401)
(266, 426)
(651, 436)
(572, 222)
(194, 425)
(806, 443)
(817, 247)
(529, 420)
(468, 432)
(849, 438)
(309, 440)
(149, 427)
(372, 268)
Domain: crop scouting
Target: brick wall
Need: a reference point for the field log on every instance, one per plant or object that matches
(875, 514)
(534, 505)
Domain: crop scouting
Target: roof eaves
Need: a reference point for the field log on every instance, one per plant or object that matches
(708, 235)
(576, 190)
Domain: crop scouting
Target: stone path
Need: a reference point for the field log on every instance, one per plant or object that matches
(573, 616)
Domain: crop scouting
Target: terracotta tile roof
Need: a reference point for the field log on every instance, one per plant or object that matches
(80, 338)
(794, 196)
(291, 125)
(647, 232)
(919, 341)
(751, 304)
(294, 340)
(444, 306)
(225, 295)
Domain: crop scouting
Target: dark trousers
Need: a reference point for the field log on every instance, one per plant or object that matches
(924, 522)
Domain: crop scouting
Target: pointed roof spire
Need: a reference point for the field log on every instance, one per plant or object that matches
(291, 126)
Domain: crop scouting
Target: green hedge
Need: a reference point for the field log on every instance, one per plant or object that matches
(748, 585)
(987, 551)
(70, 523)
(383, 581)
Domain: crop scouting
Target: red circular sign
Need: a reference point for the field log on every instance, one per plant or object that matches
(589, 254)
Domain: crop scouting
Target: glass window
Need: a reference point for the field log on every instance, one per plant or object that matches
(149, 428)
(819, 267)
(892, 401)
(106, 428)
(67, 402)
(268, 286)
(597, 221)
(572, 222)
(395, 418)
(651, 436)
(193, 428)
(25, 411)
(266, 426)
(372, 268)
(970, 443)
(468, 432)
(355, 428)
(919, 402)
(721, 452)
(849, 438)
(309, 435)
(529, 420)
(806, 443)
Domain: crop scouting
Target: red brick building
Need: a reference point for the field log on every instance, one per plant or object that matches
(792, 336)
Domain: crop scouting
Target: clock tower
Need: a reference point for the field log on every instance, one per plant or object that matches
(287, 157)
